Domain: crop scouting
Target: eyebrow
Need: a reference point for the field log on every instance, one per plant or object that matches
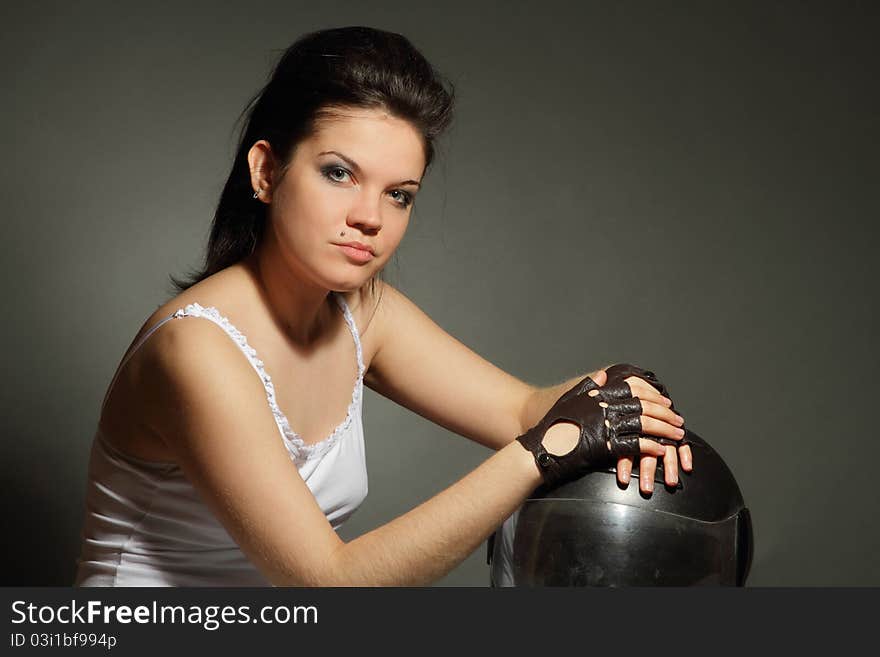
(357, 169)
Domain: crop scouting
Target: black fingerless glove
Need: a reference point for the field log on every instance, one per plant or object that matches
(616, 387)
(609, 424)
(617, 374)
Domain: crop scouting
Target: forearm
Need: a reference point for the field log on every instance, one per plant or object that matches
(427, 542)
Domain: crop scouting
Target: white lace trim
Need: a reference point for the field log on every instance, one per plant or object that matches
(299, 450)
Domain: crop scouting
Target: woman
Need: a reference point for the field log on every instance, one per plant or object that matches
(229, 450)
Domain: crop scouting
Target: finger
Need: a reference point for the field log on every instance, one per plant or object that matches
(661, 412)
(687, 459)
(650, 448)
(638, 382)
(624, 470)
(645, 391)
(600, 377)
(661, 428)
(621, 407)
(670, 466)
(647, 469)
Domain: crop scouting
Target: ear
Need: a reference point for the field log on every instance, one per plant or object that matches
(262, 165)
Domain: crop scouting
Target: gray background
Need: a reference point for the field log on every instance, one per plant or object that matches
(687, 186)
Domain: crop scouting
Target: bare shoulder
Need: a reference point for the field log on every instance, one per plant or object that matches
(224, 289)
(384, 304)
(382, 308)
(191, 364)
(190, 357)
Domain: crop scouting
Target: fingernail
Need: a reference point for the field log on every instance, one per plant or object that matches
(680, 419)
(679, 432)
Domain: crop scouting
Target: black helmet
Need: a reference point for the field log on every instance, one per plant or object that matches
(593, 532)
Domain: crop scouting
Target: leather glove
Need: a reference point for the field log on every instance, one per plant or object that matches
(616, 388)
(608, 430)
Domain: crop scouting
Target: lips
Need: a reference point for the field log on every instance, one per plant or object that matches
(356, 255)
(359, 245)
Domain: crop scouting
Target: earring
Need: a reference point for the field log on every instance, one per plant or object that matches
(257, 193)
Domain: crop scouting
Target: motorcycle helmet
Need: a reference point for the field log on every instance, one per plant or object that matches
(594, 532)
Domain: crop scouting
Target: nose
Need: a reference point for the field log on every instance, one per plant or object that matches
(365, 215)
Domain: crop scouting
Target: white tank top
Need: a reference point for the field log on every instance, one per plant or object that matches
(145, 524)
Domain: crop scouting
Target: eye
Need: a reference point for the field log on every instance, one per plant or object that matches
(402, 198)
(336, 173)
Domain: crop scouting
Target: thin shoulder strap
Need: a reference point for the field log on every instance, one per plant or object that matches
(352, 327)
(131, 353)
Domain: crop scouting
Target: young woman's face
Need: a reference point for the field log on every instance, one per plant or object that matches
(354, 180)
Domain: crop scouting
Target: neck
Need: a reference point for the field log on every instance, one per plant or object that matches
(302, 310)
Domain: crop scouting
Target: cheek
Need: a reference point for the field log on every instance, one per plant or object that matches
(327, 207)
(309, 210)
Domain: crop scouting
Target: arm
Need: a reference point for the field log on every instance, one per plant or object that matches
(209, 407)
(427, 542)
(423, 368)
(426, 370)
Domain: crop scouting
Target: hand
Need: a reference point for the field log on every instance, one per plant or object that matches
(658, 418)
(607, 425)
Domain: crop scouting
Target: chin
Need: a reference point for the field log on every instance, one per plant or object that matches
(344, 289)
(350, 283)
